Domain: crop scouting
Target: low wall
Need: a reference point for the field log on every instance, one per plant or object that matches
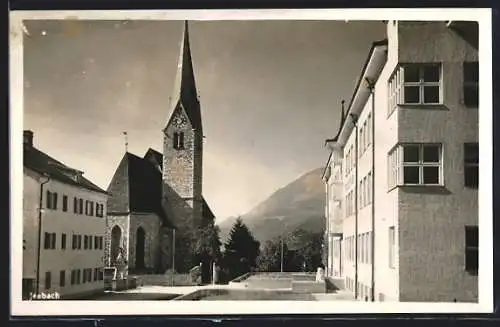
(303, 277)
(308, 287)
(199, 294)
(269, 283)
(335, 284)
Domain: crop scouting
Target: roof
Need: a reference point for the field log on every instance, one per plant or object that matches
(184, 93)
(137, 186)
(42, 163)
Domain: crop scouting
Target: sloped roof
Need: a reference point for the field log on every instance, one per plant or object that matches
(184, 92)
(137, 187)
(42, 163)
(155, 157)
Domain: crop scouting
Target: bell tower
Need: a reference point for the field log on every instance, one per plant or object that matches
(183, 145)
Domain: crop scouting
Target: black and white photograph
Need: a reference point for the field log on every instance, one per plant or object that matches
(271, 161)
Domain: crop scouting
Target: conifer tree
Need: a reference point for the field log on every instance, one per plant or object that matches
(240, 251)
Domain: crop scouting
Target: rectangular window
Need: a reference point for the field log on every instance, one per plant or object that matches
(73, 277)
(97, 207)
(472, 249)
(51, 200)
(361, 141)
(53, 241)
(421, 164)
(80, 206)
(471, 84)
(360, 192)
(78, 275)
(48, 199)
(91, 210)
(74, 242)
(369, 188)
(63, 241)
(369, 248)
(90, 242)
(369, 130)
(471, 165)
(96, 242)
(392, 246)
(62, 278)
(85, 242)
(362, 248)
(48, 280)
(418, 84)
(79, 242)
(75, 205)
(46, 241)
(65, 203)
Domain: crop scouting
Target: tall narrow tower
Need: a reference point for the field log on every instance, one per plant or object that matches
(183, 145)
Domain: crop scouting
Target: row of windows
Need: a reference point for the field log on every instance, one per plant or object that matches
(422, 84)
(349, 204)
(365, 190)
(88, 273)
(363, 250)
(365, 139)
(364, 292)
(471, 254)
(89, 242)
(365, 135)
(422, 164)
(79, 206)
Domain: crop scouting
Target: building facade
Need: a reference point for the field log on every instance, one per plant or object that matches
(63, 227)
(155, 202)
(408, 151)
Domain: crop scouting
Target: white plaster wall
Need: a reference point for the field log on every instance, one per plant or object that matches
(57, 221)
(31, 196)
(386, 213)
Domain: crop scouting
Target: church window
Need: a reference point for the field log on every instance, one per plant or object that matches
(179, 140)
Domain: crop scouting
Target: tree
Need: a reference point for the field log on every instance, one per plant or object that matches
(269, 259)
(206, 246)
(308, 247)
(240, 251)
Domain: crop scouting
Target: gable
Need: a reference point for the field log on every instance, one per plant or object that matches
(118, 189)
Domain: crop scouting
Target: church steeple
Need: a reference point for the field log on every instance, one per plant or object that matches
(185, 93)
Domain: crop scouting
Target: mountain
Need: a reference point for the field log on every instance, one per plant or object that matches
(300, 204)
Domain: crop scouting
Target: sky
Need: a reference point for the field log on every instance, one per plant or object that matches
(270, 93)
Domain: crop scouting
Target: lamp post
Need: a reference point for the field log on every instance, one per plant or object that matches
(282, 246)
(354, 119)
(40, 212)
(281, 266)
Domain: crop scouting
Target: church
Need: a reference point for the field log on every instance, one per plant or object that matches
(156, 200)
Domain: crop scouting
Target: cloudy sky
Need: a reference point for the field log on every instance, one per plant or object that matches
(270, 93)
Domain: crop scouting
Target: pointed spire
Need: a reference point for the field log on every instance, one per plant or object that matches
(185, 86)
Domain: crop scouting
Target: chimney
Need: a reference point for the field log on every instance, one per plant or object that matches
(28, 138)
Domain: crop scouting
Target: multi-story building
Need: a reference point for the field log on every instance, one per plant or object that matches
(402, 177)
(63, 227)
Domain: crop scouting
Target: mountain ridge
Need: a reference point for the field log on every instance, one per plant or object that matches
(298, 204)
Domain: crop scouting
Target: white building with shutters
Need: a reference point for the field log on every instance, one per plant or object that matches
(63, 228)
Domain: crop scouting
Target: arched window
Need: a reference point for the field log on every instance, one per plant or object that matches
(178, 140)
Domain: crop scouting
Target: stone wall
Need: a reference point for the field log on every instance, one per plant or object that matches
(122, 221)
(150, 223)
